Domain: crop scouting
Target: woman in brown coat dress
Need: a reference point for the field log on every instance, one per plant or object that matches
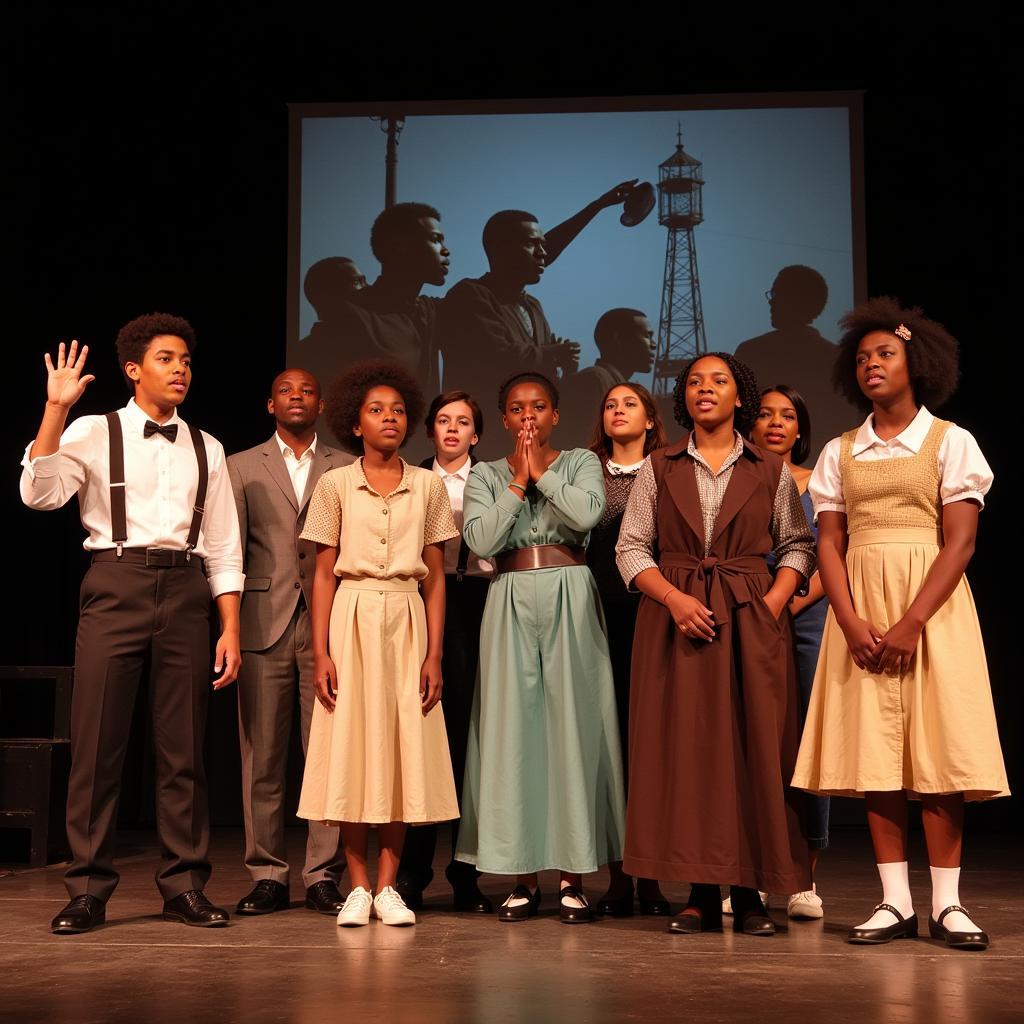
(713, 709)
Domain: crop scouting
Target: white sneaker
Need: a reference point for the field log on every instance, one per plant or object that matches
(391, 908)
(727, 902)
(356, 911)
(805, 906)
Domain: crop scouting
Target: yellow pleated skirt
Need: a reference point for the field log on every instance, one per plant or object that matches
(930, 730)
(377, 757)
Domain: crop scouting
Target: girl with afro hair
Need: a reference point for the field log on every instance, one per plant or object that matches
(713, 725)
(901, 705)
(378, 751)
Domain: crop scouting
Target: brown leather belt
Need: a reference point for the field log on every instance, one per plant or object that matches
(539, 556)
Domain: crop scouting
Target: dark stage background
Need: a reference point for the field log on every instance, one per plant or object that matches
(151, 173)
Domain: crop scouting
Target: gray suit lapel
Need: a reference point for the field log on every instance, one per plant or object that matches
(274, 463)
(323, 460)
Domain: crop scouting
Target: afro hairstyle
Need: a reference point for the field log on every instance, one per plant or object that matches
(347, 393)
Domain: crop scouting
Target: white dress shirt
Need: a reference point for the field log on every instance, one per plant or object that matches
(455, 485)
(298, 468)
(963, 471)
(161, 481)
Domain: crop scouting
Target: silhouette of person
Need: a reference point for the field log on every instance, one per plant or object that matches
(795, 352)
(625, 342)
(388, 319)
(490, 328)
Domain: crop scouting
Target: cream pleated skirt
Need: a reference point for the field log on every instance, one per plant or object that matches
(931, 730)
(377, 757)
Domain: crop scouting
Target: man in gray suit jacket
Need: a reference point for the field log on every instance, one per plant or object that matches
(272, 484)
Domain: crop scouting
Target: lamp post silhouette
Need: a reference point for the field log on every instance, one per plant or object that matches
(680, 210)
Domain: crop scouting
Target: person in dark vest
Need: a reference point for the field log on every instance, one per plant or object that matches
(162, 529)
(713, 715)
(455, 425)
(272, 484)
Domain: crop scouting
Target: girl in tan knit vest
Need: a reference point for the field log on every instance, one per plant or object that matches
(901, 705)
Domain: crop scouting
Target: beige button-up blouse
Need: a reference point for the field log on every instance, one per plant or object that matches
(377, 536)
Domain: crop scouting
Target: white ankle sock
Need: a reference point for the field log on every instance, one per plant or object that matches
(569, 901)
(895, 891)
(946, 893)
(519, 901)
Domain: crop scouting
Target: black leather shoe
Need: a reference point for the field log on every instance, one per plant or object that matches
(687, 922)
(655, 908)
(194, 908)
(569, 914)
(412, 895)
(82, 914)
(958, 940)
(466, 895)
(324, 898)
(904, 928)
(615, 906)
(266, 897)
(753, 922)
(523, 910)
(468, 899)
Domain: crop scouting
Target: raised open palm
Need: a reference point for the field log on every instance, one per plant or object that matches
(64, 382)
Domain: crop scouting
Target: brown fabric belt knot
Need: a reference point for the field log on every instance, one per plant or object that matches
(720, 583)
(539, 556)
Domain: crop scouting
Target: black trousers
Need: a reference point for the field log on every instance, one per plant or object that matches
(131, 613)
(464, 611)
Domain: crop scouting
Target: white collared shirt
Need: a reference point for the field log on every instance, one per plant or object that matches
(963, 471)
(455, 485)
(161, 481)
(298, 467)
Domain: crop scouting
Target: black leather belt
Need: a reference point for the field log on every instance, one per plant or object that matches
(155, 558)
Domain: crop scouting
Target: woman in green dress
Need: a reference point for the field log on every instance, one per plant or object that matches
(543, 784)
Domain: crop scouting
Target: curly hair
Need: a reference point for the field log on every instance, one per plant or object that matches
(527, 378)
(802, 448)
(746, 389)
(134, 338)
(346, 395)
(933, 354)
(601, 443)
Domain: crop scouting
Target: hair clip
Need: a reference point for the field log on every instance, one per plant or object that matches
(902, 332)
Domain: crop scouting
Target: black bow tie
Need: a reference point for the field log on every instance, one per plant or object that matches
(169, 430)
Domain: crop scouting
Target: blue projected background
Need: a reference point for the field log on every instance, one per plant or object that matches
(777, 192)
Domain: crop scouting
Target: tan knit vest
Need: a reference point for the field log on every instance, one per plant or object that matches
(893, 493)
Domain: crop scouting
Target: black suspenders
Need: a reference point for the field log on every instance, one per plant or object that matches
(118, 515)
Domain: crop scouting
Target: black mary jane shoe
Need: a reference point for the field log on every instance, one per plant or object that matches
(976, 939)
(82, 914)
(615, 906)
(570, 914)
(523, 910)
(325, 898)
(904, 928)
(266, 897)
(195, 909)
(686, 922)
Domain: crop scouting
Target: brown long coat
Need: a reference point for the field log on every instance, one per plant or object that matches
(713, 727)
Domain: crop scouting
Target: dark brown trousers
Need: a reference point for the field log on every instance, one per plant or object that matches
(132, 614)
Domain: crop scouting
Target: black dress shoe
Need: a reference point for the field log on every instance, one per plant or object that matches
(958, 940)
(266, 897)
(687, 922)
(324, 898)
(750, 916)
(904, 928)
(615, 906)
(82, 914)
(523, 910)
(194, 908)
(412, 894)
(567, 913)
(468, 899)
(655, 908)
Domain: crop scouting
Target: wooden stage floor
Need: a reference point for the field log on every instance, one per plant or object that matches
(297, 966)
